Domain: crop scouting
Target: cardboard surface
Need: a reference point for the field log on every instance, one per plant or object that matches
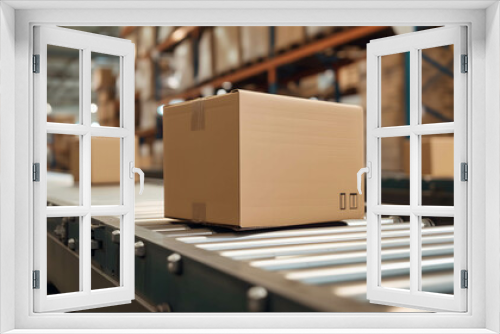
(227, 49)
(253, 160)
(437, 156)
(105, 160)
(254, 43)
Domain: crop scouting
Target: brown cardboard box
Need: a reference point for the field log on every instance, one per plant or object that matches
(226, 49)
(105, 160)
(103, 78)
(437, 156)
(205, 56)
(254, 43)
(286, 37)
(250, 160)
(183, 63)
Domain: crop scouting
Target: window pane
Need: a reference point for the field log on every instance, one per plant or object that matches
(63, 265)
(437, 170)
(437, 258)
(63, 85)
(437, 84)
(395, 261)
(105, 171)
(63, 177)
(394, 95)
(395, 166)
(105, 106)
(105, 248)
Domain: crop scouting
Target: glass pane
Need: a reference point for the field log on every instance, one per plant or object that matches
(105, 171)
(394, 95)
(63, 164)
(105, 250)
(437, 84)
(395, 166)
(63, 85)
(395, 261)
(437, 170)
(105, 105)
(437, 257)
(63, 265)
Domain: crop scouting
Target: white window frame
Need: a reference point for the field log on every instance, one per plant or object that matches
(414, 43)
(483, 21)
(85, 44)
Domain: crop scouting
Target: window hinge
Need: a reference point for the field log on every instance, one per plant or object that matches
(465, 279)
(465, 64)
(36, 63)
(464, 171)
(36, 172)
(36, 279)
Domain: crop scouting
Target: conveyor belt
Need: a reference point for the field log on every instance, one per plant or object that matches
(310, 268)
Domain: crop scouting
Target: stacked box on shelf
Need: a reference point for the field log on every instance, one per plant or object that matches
(254, 43)
(146, 41)
(315, 31)
(105, 160)
(144, 78)
(58, 144)
(108, 105)
(437, 156)
(286, 37)
(227, 51)
(164, 33)
(205, 56)
(183, 63)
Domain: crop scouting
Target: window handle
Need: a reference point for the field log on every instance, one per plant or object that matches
(133, 170)
(368, 171)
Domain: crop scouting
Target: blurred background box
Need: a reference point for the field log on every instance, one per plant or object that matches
(286, 37)
(227, 49)
(315, 31)
(144, 78)
(105, 160)
(183, 64)
(205, 56)
(254, 43)
(103, 78)
(163, 33)
(146, 41)
(437, 156)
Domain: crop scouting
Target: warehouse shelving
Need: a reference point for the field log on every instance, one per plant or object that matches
(270, 65)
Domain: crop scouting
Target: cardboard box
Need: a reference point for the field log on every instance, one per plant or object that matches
(183, 64)
(437, 156)
(286, 37)
(103, 78)
(205, 56)
(254, 160)
(105, 160)
(144, 78)
(254, 43)
(313, 31)
(226, 49)
(147, 41)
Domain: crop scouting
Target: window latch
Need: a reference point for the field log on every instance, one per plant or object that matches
(368, 171)
(133, 170)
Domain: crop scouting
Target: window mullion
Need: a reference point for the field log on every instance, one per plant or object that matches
(415, 259)
(85, 170)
